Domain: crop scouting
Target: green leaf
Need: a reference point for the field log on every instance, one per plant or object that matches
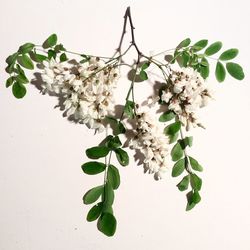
(204, 70)
(37, 57)
(93, 195)
(117, 126)
(193, 198)
(129, 109)
(195, 165)
(59, 48)
(113, 176)
(200, 45)
(108, 194)
(93, 167)
(50, 41)
(190, 203)
(11, 59)
(122, 156)
(220, 72)
(95, 212)
(178, 168)
(229, 54)
(10, 69)
(114, 142)
(51, 54)
(183, 59)
(167, 116)
(187, 141)
(107, 224)
(85, 58)
(121, 129)
(213, 48)
(26, 48)
(235, 70)
(176, 152)
(63, 57)
(145, 65)
(196, 197)
(22, 79)
(184, 43)
(97, 152)
(169, 58)
(25, 61)
(173, 138)
(173, 128)
(18, 90)
(184, 183)
(10, 81)
(196, 182)
(143, 75)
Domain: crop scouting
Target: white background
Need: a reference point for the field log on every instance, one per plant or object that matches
(41, 182)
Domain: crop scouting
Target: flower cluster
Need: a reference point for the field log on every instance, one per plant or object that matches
(152, 143)
(87, 89)
(186, 92)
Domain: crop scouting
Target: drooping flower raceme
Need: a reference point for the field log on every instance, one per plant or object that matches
(152, 143)
(87, 89)
(186, 92)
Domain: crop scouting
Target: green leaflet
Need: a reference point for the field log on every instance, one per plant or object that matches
(18, 90)
(95, 212)
(178, 167)
(122, 156)
(97, 152)
(220, 72)
(50, 41)
(107, 224)
(213, 48)
(235, 70)
(93, 167)
(93, 195)
(229, 54)
(113, 176)
(177, 152)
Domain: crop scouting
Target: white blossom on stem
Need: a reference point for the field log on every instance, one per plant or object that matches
(185, 94)
(152, 143)
(87, 89)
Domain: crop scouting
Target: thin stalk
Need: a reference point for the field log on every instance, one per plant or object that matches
(187, 167)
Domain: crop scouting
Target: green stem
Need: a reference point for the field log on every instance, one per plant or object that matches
(187, 167)
(131, 88)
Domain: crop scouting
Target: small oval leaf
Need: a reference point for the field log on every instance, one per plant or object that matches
(122, 156)
(93, 167)
(107, 224)
(220, 72)
(25, 61)
(167, 116)
(229, 54)
(95, 212)
(113, 176)
(50, 41)
(200, 45)
(177, 152)
(172, 128)
(97, 152)
(235, 70)
(93, 195)
(213, 48)
(178, 168)
(18, 90)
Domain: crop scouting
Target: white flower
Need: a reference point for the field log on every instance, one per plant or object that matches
(87, 89)
(152, 143)
(185, 94)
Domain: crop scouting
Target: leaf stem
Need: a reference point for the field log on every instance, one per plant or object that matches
(187, 166)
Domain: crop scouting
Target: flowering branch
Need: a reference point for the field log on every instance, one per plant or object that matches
(87, 85)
